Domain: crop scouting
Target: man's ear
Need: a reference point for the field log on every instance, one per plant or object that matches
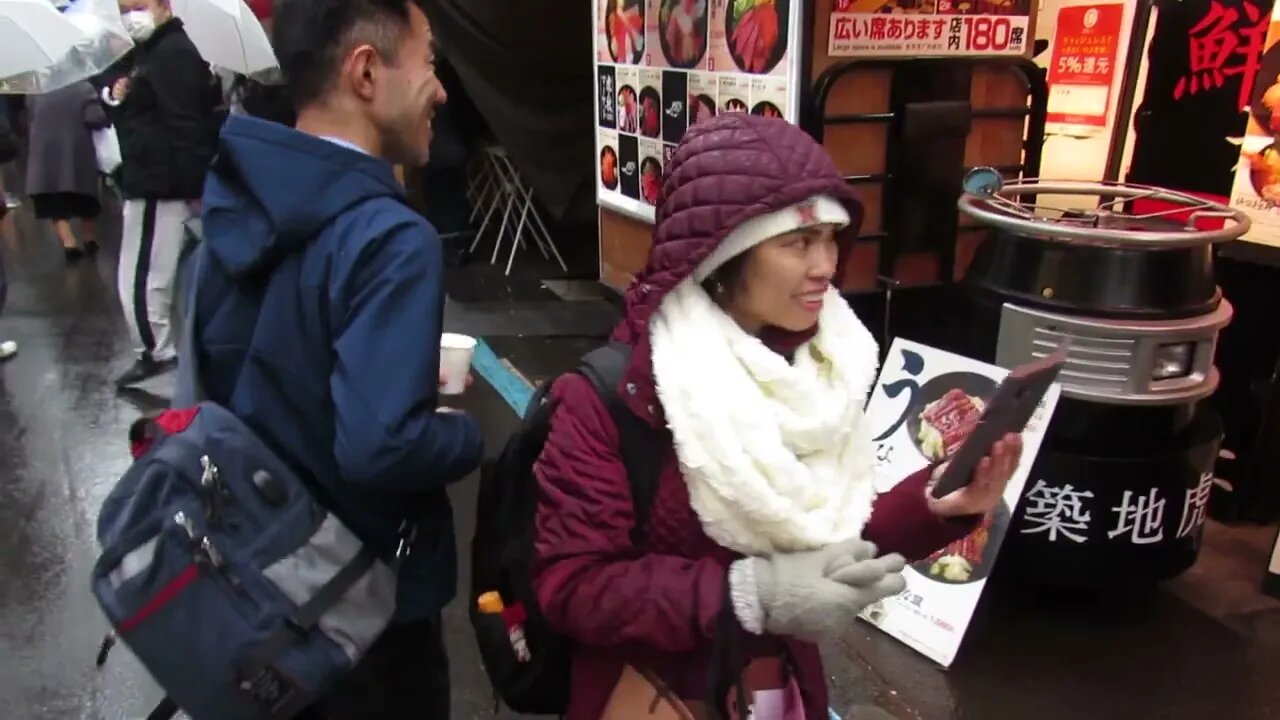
(361, 69)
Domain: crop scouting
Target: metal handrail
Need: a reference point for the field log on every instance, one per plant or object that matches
(995, 206)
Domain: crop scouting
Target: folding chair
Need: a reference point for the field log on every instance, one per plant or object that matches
(519, 212)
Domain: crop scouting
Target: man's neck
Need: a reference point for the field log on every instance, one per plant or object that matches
(325, 124)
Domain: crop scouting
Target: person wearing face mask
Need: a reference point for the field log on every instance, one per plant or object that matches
(164, 105)
(317, 310)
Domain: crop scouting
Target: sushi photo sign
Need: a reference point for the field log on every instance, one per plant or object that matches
(923, 404)
(663, 65)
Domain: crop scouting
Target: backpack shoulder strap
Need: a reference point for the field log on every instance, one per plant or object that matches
(640, 444)
(188, 389)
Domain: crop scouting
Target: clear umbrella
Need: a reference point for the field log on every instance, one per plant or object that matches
(228, 35)
(42, 50)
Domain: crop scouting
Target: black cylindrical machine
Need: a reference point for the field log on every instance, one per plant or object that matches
(1120, 488)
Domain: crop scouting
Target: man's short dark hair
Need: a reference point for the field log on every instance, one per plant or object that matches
(311, 37)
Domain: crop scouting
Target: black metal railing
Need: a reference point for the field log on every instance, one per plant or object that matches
(929, 120)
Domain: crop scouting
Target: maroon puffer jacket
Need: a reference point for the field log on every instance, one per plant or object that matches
(657, 606)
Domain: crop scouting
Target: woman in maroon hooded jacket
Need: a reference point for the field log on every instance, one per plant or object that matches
(765, 513)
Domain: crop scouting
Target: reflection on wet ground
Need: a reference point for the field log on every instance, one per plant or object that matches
(62, 431)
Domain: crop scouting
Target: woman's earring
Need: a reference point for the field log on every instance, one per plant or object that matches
(719, 288)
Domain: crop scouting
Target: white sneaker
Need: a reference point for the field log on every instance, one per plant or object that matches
(8, 349)
(12, 203)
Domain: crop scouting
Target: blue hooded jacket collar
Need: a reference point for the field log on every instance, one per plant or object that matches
(273, 188)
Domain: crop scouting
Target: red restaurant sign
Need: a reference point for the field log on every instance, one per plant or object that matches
(1085, 50)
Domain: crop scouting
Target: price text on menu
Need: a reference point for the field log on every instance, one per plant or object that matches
(867, 28)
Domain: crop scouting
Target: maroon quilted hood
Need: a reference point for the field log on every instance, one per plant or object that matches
(725, 171)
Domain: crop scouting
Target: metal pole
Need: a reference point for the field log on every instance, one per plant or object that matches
(1128, 88)
(808, 115)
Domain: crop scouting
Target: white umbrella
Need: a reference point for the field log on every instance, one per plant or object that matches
(227, 34)
(42, 50)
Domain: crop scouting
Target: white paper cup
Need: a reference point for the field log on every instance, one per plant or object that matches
(455, 362)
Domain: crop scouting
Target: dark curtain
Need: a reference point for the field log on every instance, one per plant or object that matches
(526, 67)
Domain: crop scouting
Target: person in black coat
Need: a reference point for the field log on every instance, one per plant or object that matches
(62, 169)
(166, 105)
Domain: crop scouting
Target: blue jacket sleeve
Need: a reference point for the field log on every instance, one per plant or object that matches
(387, 368)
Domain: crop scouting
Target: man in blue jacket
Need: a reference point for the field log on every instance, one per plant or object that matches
(319, 307)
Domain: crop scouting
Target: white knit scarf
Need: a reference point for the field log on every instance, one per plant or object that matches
(776, 455)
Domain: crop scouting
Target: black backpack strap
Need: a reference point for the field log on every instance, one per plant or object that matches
(641, 446)
(164, 710)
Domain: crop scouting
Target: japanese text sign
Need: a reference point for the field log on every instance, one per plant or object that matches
(1064, 513)
(863, 28)
(1226, 43)
(1083, 66)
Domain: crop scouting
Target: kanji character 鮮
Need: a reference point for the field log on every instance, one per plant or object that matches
(1228, 41)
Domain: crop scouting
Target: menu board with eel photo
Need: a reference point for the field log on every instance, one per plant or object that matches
(663, 65)
(922, 407)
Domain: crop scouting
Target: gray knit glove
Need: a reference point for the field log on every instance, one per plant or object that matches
(812, 595)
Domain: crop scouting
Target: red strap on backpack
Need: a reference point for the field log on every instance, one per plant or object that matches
(145, 431)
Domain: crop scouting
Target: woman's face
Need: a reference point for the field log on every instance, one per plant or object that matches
(783, 280)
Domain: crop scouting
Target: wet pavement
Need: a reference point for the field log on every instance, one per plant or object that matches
(1204, 647)
(61, 427)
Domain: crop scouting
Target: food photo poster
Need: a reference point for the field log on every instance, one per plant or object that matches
(1256, 186)
(922, 406)
(664, 65)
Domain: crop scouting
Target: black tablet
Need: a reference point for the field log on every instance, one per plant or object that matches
(1007, 411)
